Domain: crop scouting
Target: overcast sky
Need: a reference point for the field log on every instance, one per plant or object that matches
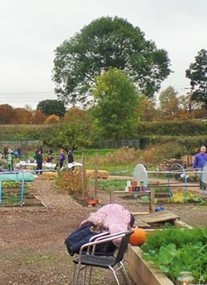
(30, 31)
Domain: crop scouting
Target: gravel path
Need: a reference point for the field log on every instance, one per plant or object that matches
(32, 249)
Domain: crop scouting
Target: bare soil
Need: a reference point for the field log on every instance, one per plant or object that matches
(32, 249)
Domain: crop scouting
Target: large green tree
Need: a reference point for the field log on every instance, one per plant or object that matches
(197, 73)
(107, 43)
(52, 107)
(169, 103)
(117, 102)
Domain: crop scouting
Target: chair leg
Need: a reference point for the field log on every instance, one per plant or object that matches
(89, 276)
(125, 275)
(85, 275)
(75, 274)
(114, 273)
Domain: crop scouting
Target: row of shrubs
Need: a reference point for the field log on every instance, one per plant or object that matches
(173, 128)
(23, 132)
(185, 144)
(188, 135)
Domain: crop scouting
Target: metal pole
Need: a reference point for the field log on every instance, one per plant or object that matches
(185, 179)
(0, 191)
(22, 190)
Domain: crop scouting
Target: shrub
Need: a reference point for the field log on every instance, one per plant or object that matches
(175, 128)
(123, 155)
(71, 182)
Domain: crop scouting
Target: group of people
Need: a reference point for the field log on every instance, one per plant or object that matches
(200, 160)
(62, 158)
(60, 161)
(9, 156)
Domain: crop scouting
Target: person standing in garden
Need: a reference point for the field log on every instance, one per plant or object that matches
(10, 160)
(61, 159)
(39, 160)
(49, 156)
(70, 156)
(5, 150)
(200, 160)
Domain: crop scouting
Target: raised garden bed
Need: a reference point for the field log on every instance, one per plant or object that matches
(11, 197)
(145, 272)
(141, 271)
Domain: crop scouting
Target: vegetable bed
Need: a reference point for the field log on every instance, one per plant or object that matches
(174, 250)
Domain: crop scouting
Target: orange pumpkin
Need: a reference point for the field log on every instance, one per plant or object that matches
(138, 237)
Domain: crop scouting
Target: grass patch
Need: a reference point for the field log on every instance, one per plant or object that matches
(11, 193)
(116, 185)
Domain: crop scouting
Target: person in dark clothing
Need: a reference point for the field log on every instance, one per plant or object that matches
(39, 160)
(5, 150)
(19, 151)
(70, 156)
(49, 156)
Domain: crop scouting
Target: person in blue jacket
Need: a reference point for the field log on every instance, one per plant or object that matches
(200, 160)
(61, 159)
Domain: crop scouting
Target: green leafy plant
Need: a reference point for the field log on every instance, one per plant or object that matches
(10, 184)
(174, 250)
(11, 200)
(117, 185)
(181, 197)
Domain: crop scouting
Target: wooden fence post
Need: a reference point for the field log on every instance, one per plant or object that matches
(152, 201)
(96, 176)
(83, 178)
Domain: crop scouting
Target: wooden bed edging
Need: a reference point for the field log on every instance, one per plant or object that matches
(143, 272)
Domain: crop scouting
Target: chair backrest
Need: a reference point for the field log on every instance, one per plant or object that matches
(123, 246)
(91, 247)
(107, 248)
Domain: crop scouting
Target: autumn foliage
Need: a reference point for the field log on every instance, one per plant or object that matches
(70, 182)
(20, 116)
